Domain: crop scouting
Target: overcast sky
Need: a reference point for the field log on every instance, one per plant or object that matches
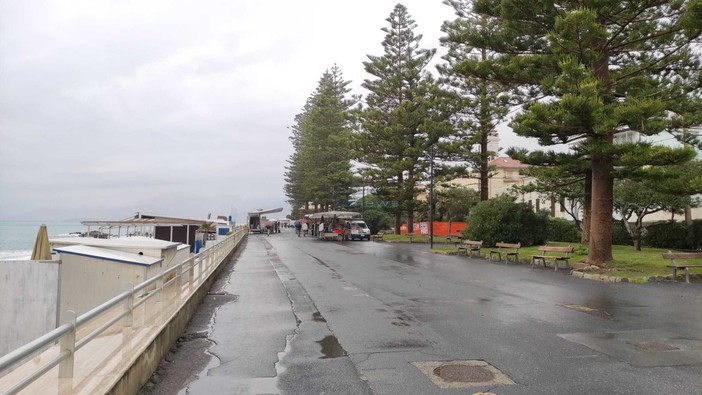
(179, 108)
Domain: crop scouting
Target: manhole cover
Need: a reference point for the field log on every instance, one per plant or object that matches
(464, 374)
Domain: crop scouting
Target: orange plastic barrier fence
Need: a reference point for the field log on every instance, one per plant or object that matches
(440, 228)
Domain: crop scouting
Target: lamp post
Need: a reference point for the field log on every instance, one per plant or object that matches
(363, 194)
(431, 197)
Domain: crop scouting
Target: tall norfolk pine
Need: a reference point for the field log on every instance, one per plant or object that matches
(319, 168)
(402, 118)
(482, 103)
(594, 69)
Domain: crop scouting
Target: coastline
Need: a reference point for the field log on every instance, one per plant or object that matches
(17, 238)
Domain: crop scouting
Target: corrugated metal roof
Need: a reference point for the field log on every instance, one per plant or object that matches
(110, 255)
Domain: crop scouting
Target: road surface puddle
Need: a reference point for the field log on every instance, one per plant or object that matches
(331, 348)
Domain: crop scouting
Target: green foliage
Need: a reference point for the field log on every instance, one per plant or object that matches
(666, 235)
(403, 115)
(503, 220)
(675, 235)
(694, 235)
(319, 169)
(377, 219)
(604, 68)
(454, 204)
(561, 229)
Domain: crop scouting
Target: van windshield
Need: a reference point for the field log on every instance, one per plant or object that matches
(360, 224)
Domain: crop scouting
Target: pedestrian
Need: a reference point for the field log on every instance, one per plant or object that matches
(321, 230)
(305, 228)
(298, 227)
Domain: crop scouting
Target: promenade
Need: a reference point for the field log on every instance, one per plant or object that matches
(295, 315)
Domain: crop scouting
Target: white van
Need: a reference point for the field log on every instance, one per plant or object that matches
(358, 230)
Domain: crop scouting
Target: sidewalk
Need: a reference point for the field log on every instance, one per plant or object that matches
(266, 337)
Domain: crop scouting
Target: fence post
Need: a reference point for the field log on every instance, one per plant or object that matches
(129, 307)
(159, 284)
(179, 274)
(68, 343)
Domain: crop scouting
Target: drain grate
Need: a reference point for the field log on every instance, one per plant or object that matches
(463, 374)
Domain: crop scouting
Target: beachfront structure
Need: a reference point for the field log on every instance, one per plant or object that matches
(173, 229)
(34, 295)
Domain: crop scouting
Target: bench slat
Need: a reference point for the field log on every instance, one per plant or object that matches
(682, 265)
(683, 255)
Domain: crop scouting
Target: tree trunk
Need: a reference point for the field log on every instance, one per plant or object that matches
(600, 253)
(398, 222)
(587, 209)
(485, 129)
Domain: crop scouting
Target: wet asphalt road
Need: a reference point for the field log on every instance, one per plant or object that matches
(295, 315)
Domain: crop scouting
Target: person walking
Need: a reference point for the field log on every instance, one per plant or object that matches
(321, 230)
(304, 229)
(298, 227)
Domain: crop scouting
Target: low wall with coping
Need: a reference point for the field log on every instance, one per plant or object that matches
(140, 371)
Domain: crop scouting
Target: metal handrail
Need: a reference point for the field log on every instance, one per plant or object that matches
(69, 330)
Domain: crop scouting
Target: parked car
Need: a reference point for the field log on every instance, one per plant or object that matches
(357, 230)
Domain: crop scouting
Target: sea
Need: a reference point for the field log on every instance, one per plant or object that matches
(17, 237)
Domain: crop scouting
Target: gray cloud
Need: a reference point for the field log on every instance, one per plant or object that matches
(175, 107)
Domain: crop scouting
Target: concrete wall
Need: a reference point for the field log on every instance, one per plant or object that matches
(86, 282)
(28, 300)
(140, 371)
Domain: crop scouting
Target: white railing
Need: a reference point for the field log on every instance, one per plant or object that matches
(79, 331)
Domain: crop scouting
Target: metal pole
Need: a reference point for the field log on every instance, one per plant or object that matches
(431, 198)
(363, 202)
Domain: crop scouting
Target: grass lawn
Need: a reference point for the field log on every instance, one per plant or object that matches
(627, 261)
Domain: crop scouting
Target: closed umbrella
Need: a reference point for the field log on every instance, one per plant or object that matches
(42, 250)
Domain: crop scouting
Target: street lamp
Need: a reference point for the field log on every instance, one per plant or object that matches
(363, 194)
(431, 197)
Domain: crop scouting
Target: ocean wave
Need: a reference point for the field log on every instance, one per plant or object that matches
(15, 255)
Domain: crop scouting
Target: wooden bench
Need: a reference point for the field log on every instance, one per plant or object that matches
(553, 254)
(469, 247)
(378, 236)
(410, 236)
(449, 237)
(510, 250)
(683, 265)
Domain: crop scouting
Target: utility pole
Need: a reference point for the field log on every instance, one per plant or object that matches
(431, 197)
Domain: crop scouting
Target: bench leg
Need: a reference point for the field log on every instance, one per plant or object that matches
(687, 275)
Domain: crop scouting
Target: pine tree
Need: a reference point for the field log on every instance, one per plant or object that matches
(403, 117)
(482, 104)
(595, 69)
(319, 170)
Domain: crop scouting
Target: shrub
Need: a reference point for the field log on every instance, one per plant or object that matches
(377, 220)
(694, 235)
(675, 235)
(502, 219)
(671, 235)
(561, 229)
